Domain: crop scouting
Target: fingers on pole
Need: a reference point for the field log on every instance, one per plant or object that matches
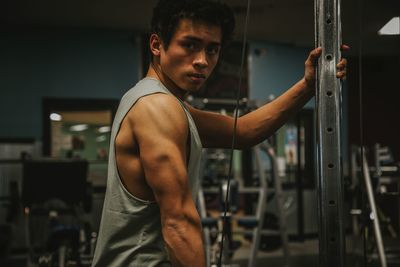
(341, 69)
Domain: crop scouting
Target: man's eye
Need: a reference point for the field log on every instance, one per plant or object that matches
(190, 46)
(212, 50)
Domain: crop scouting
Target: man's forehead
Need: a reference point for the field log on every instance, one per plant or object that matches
(197, 29)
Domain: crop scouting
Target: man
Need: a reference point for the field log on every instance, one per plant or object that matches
(149, 216)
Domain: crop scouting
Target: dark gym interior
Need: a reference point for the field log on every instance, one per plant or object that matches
(65, 66)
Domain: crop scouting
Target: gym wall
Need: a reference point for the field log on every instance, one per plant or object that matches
(66, 63)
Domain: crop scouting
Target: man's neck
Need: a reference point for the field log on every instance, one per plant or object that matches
(155, 72)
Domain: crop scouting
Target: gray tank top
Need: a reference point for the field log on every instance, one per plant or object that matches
(130, 228)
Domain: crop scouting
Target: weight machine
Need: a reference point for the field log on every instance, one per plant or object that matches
(381, 181)
(211, 225)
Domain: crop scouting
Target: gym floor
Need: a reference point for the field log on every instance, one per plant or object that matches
(302, 254)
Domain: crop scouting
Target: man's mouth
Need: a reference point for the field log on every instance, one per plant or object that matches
(197, 77)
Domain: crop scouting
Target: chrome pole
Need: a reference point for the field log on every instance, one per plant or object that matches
(328, 120)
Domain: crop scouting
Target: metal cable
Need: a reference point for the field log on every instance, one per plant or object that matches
(236, 113)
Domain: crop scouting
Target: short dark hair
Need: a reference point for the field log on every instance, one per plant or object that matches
(168, 13)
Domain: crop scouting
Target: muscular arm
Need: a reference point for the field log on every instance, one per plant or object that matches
(161, 129)
(216, 130)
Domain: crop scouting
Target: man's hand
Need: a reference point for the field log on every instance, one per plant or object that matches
(311, 64)
(341, 66)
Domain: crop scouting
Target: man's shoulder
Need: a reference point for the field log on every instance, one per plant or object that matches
(159, 101)
(157, 107)
(158, 116)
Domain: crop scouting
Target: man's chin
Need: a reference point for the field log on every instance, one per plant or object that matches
(193, 89)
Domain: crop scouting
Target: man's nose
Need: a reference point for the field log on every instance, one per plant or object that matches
(201, 59)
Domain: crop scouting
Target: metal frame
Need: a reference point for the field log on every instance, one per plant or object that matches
(265, 146)
(374, 214)
(262, 203)
(258, 217)
(329, 161)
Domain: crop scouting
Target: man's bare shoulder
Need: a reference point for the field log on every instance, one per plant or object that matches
(158, 111)
(160, 100)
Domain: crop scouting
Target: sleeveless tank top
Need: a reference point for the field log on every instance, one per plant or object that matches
(130, 228)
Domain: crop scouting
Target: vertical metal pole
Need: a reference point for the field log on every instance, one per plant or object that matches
(374, 214)
(279, 202)
(262, 203)
(329, 160)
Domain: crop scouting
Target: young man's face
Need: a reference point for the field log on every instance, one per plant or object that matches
(191, 55)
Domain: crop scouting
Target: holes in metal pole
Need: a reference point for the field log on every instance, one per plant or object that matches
(328, 57)
(328, 21)
(329, 93)
(332, 202)
(329, 130)
(333, 239)
(331, 165)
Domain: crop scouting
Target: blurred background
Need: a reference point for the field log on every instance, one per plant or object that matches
(66, 64)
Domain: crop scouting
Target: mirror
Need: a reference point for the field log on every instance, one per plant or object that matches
(77, 128)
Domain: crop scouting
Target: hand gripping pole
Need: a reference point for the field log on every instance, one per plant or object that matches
(328, 121)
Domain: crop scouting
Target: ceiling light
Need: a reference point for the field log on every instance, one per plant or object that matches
(79, 127)
(55, 117)
(104, 129)
(101, 138)
(391, 28)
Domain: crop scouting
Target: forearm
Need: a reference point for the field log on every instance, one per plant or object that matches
(258, 125)
(183, 238)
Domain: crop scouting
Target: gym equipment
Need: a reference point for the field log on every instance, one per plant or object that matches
(378, 179)
(386, 171)
(278, 192)
(255, 222)
(374, 214)
(328, 109)
(53, 194)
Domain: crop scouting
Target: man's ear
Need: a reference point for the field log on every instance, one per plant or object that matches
(155, 45)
